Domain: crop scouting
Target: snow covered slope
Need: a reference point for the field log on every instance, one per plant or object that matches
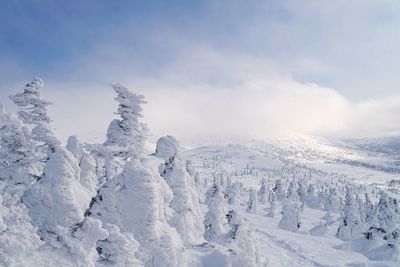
(314, 161)
(293, 201)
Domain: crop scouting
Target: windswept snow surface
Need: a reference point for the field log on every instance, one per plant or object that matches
(313, 159)
(293, 201)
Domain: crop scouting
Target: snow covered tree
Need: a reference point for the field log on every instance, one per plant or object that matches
(272, 207)
(263, 192)
(292, 192)
(302, 192)
(313, 200)
(87, 164)
(187, 217)
(351, 225)
(291, 212)
(252, 203)
(18, 238)
(231, 193)
(279, 190)
(369, 210)
(126, 136)
(17, 162)
(332, 201)
(58, 198)
(79, 243)
(241, 242)
(33, 111)
(120, 249)
(18, 170)
(193, 173)
(386, 230)
(215, 222)
(138, 202)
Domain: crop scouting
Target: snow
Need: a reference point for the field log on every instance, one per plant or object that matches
(292, 201)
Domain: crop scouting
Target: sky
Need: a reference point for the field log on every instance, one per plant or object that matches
(210, 68)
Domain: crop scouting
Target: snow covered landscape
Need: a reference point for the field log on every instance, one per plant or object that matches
(214, 133)
(291, 201)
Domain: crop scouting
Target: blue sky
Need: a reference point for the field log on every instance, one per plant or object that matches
(351, 47)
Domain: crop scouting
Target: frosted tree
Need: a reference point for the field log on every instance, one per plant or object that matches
(279, 190)
(385, 230)
(361, 209)
(231, 193)
(387, 212)
(351, 225)
(193, 173)
(292, 192)
(272, 207)
(332, 201)
(371, 217)
(252, 203)
(187, 217)
(234, 223)
(87, 164)
(313, 201)
(302, 192)
(18, 238)
(58, 198)
(17, 161)
(215, 222)
(120, 249)
(240, 241)
(79, 243)
(138, 202)
(291, 212)
(126, 136)
(33, 111)
(18, 170)
(263, 192)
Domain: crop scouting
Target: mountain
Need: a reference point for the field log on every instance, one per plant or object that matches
(291, 201)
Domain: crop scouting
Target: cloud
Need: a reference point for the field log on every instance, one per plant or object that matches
(253, 68)
(208, 94)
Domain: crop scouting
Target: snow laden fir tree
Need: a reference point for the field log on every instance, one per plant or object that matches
(120, 203)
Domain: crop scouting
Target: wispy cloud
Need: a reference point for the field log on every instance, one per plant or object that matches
(255, 68)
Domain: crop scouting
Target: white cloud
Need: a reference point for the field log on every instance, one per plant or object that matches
(210, 94)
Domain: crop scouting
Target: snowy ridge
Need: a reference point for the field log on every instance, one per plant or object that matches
(298, 200)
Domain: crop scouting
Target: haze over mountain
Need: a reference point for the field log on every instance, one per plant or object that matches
(202, 134)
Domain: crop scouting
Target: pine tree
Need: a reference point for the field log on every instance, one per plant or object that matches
(231, 193)
(291, 210)
(58, 198)
(138, 202)
(313, 201)
(252, 203)
(214, 222)
(279, 190)
(332, 201)
(120, 249)
(17, 161)
(240, 241)
(302, 192)
(263, 192)
(87, 164)
(187, 217)
(33, 111)
(351, 225)
(126, 136)
(18, 238)
(272, 208)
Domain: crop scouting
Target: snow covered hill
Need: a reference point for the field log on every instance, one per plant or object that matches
(292, 201)
(314, 161)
